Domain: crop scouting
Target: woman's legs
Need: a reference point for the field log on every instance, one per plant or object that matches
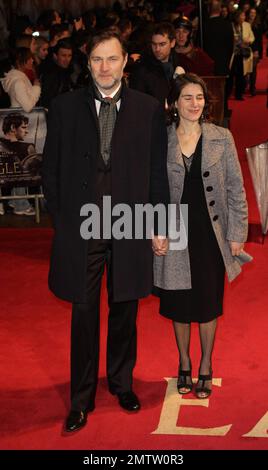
(207, 336)
(182, 334)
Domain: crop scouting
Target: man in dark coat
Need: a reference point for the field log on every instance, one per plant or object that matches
(96, 147)
(218, 39)
(56, 73)
(153, 74)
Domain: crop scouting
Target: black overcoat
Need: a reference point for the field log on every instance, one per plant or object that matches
(138, 173)
(148, 76)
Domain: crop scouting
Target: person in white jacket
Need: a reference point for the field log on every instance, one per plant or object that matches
(22, 95)
(17, 84)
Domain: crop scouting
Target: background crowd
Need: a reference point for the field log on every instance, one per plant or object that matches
(43, 46)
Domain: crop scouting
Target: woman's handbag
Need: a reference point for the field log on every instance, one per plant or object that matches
(245, 52)
(243, 257)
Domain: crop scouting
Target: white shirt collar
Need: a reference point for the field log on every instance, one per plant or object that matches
(111, 95)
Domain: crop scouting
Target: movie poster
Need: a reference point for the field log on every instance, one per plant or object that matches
(22, 138)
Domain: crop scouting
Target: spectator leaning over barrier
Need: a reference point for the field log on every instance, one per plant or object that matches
(17, 84)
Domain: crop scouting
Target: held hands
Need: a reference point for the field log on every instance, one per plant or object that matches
(236, 248)
(160, 245)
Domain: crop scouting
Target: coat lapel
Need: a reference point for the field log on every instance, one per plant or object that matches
(121, 113)
(174, 150)
(90, 100)
(212, 145)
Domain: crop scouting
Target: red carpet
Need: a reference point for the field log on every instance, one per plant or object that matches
(35, 372)
(34, 353)
(249, 125)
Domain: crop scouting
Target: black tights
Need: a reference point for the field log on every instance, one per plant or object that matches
(207, 336)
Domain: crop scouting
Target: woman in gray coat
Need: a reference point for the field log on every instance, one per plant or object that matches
(205, 174)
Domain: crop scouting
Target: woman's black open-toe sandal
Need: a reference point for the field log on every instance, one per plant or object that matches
(185, 386)
(202, 391)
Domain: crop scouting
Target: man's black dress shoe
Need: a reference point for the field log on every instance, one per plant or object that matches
(129, 401)
(75, 420)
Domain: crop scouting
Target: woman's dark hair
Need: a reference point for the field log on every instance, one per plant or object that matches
(236, 17)
(177, 86)
(257, 20)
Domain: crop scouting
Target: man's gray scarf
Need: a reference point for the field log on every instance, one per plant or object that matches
(107, 118)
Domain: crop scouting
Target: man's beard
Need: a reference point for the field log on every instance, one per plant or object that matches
(116, 81)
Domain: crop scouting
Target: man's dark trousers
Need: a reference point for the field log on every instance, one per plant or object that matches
(122, 335)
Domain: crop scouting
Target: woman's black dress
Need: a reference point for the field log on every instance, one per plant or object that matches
(203, 302)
